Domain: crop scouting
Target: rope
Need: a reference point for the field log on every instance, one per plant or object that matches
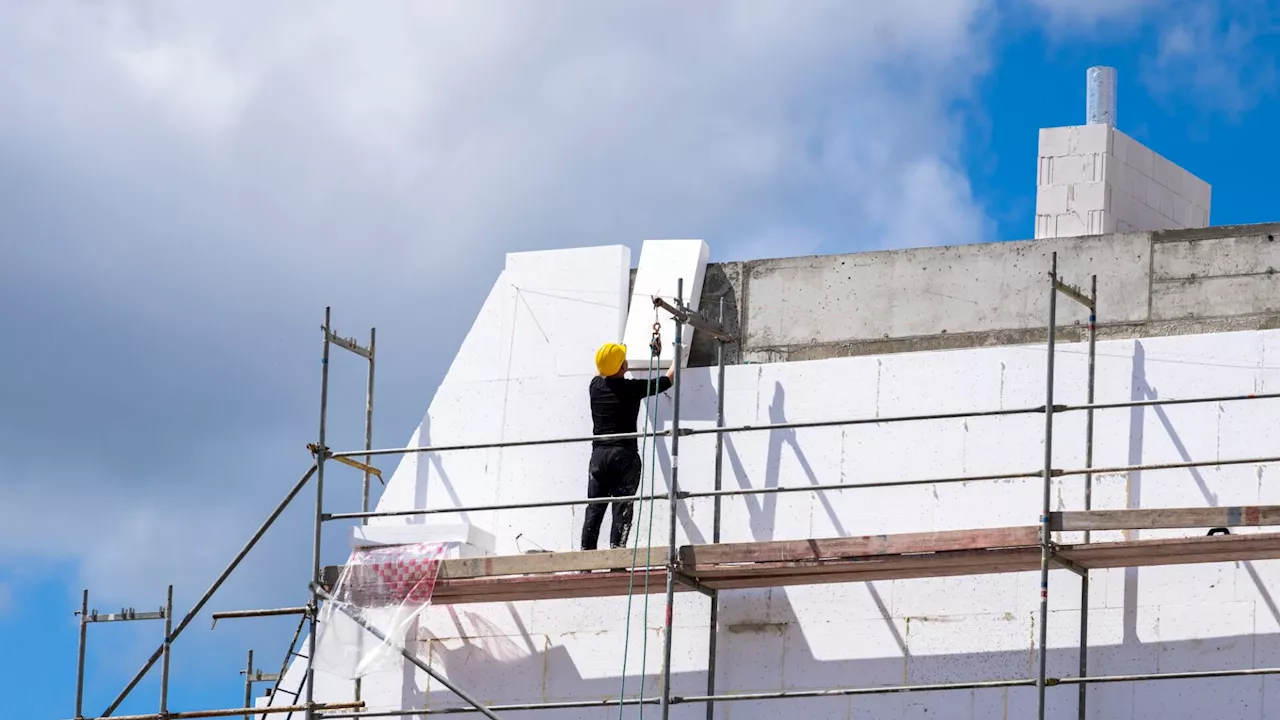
(626, 642)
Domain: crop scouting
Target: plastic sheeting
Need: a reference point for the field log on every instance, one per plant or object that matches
(387, 587)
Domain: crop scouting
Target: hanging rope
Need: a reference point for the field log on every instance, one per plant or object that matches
(655, 345)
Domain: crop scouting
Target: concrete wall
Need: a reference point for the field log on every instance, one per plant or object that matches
(1149, 284)
(916, 631)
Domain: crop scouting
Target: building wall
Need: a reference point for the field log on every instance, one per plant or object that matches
(1094, 179)
(885, 633)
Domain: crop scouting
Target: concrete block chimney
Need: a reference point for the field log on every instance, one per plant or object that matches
(1094, 179)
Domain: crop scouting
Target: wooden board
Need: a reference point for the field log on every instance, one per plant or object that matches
(862, 546)
(536, 563)
(820, 561)
(1175, 551)
(1212, 517)
(548, 587)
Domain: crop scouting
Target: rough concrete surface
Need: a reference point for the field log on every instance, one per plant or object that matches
(1149, 283)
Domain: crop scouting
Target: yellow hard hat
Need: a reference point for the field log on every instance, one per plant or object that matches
(609, 358)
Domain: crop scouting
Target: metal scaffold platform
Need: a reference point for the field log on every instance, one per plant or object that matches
(709, 568)
(780, 563)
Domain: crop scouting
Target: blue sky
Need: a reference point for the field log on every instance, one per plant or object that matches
(185, 188)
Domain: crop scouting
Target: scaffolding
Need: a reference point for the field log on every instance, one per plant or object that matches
(716, 566)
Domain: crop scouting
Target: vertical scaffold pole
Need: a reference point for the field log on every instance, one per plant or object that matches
(168, 644)
(1088, 494)
(1045, 548)
(674, 504)
(314, 605)
(368, 424)
(368, 459)
(84, 628)
(248, 684)
(712, 639)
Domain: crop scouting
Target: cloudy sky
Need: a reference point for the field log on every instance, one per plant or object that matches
(184, 187)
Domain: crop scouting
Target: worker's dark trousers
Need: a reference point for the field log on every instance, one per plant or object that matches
(613, 472)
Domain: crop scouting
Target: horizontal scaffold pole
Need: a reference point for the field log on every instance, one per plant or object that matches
(232, 712)
(271, 612)
(832, 692)
(829, 487)
(1037, 410)
(498, 506)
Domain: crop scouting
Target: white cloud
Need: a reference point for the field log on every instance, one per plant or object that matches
(1209, 54)
(199, 179)
(1212, 55)
(1073, 16)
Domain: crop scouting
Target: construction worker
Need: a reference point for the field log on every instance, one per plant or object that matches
(615, 466)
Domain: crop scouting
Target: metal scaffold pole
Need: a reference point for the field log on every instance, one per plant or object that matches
(674, 505)
(1088, 493)
(713, 630)
(368, 459)
(368, 424)
(168, 646)
(84, 637)
(1045, 548)
(248, 684)
(314, 606)
(769, 427)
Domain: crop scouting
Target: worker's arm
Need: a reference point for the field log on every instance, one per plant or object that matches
(645, 388)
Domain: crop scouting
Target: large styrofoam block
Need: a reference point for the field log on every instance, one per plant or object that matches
(837, 603)
(563, 304)
(479, 357)
(758, 652)
(825, 655)
(479, 620)
(986, 448)
(494, 669)
(938, 382)
(662, 264)
(875, 511)
(597, 615)
(750, 606)
(994, 646)
(591, 665)
(458, 533)
(959, 596)
(1192, 639)
(874, 707)
(898, 451)
(789, 391)
(759, 517)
